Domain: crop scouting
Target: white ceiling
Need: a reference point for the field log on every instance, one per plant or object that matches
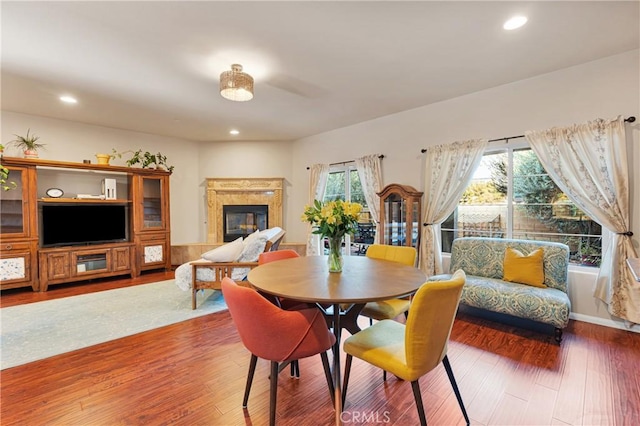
(154, 66)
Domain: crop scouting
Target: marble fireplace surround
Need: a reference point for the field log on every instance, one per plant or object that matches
(241, 191)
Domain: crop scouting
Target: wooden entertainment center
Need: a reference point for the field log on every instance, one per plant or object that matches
(143, 243)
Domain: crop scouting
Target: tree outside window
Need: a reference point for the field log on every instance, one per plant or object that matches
(512, 196)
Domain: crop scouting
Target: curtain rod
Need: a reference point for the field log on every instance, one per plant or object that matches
(506, 139)
(347, 162)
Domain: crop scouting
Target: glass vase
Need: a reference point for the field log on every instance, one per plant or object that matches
(335, 254)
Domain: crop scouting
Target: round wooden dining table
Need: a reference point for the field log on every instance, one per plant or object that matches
(362, 280)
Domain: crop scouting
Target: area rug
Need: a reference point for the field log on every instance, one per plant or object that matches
(39, 330)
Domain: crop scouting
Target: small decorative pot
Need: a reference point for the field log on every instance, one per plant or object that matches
(30, 153)
(103, 158)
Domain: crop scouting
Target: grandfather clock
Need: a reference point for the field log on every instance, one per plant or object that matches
(400, 215)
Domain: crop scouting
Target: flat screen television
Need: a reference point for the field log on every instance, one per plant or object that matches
(83, 224)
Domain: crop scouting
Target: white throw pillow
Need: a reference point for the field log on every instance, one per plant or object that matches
(252, 249)
(225, 253)
(249, 239)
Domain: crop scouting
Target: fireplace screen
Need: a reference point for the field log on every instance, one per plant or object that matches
(242, 220)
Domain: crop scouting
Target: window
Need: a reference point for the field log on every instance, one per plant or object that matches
(511, 196)
(343, 183)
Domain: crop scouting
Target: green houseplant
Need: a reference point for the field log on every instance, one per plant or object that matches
(4, 176)
(145, 159)
(28, 143)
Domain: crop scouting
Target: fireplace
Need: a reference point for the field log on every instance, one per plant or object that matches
(242, 220)
(234, 192)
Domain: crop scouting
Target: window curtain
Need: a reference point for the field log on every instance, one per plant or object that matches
(317, 185)
(588, 162)
(369, 170)
(447, 172)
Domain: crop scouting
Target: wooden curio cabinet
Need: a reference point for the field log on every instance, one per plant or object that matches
(18, 230)
(400, 215)
(96, 233)
(151, 221)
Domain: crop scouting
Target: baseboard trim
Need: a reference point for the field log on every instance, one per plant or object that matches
(604, 322)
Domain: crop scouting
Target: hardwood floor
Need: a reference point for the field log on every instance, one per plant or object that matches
(193, 373)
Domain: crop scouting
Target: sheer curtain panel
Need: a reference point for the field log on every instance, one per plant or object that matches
(369, 170)
(447, 172)
(588, 162)
(317, 185)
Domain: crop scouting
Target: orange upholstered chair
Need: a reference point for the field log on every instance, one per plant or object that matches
(277, 335)
(410, 351)
(273, 256)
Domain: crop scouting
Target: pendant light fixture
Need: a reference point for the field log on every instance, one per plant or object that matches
(236, 85)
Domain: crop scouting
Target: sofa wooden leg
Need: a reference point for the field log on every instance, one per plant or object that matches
(558, 335)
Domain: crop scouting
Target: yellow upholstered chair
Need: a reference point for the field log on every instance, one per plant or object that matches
(389, 309)
(410, 351)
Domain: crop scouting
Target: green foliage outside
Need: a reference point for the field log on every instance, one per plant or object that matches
(482, 193)
(336, 187)
(538, 197)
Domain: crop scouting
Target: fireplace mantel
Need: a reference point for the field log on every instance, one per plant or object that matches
(241, 191)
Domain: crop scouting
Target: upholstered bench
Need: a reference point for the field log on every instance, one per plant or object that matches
(482, 259)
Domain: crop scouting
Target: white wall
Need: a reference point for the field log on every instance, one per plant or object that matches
(240, 160)
(605, 88)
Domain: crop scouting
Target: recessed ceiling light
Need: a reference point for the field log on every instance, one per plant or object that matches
(515, 22)
(68, 100)
(234, 132)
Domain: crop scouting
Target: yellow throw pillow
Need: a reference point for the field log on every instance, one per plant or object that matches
(522, 269)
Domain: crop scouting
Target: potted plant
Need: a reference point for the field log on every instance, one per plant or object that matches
(28, 143)
(106, 158)
(144, 159)
(4, 175)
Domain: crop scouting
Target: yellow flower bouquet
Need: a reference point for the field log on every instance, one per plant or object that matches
(333, 219)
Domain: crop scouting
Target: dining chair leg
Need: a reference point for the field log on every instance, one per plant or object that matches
(247, 389)
(327, 374)
(295, 369)
(418, 397)
(347, 371)
(273, 392)
(452, 379)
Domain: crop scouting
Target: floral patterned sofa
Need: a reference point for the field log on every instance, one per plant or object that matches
(482, 261)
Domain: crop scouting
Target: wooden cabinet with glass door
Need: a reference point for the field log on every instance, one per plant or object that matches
(400, 213)
(151, 222)
(18, 230)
